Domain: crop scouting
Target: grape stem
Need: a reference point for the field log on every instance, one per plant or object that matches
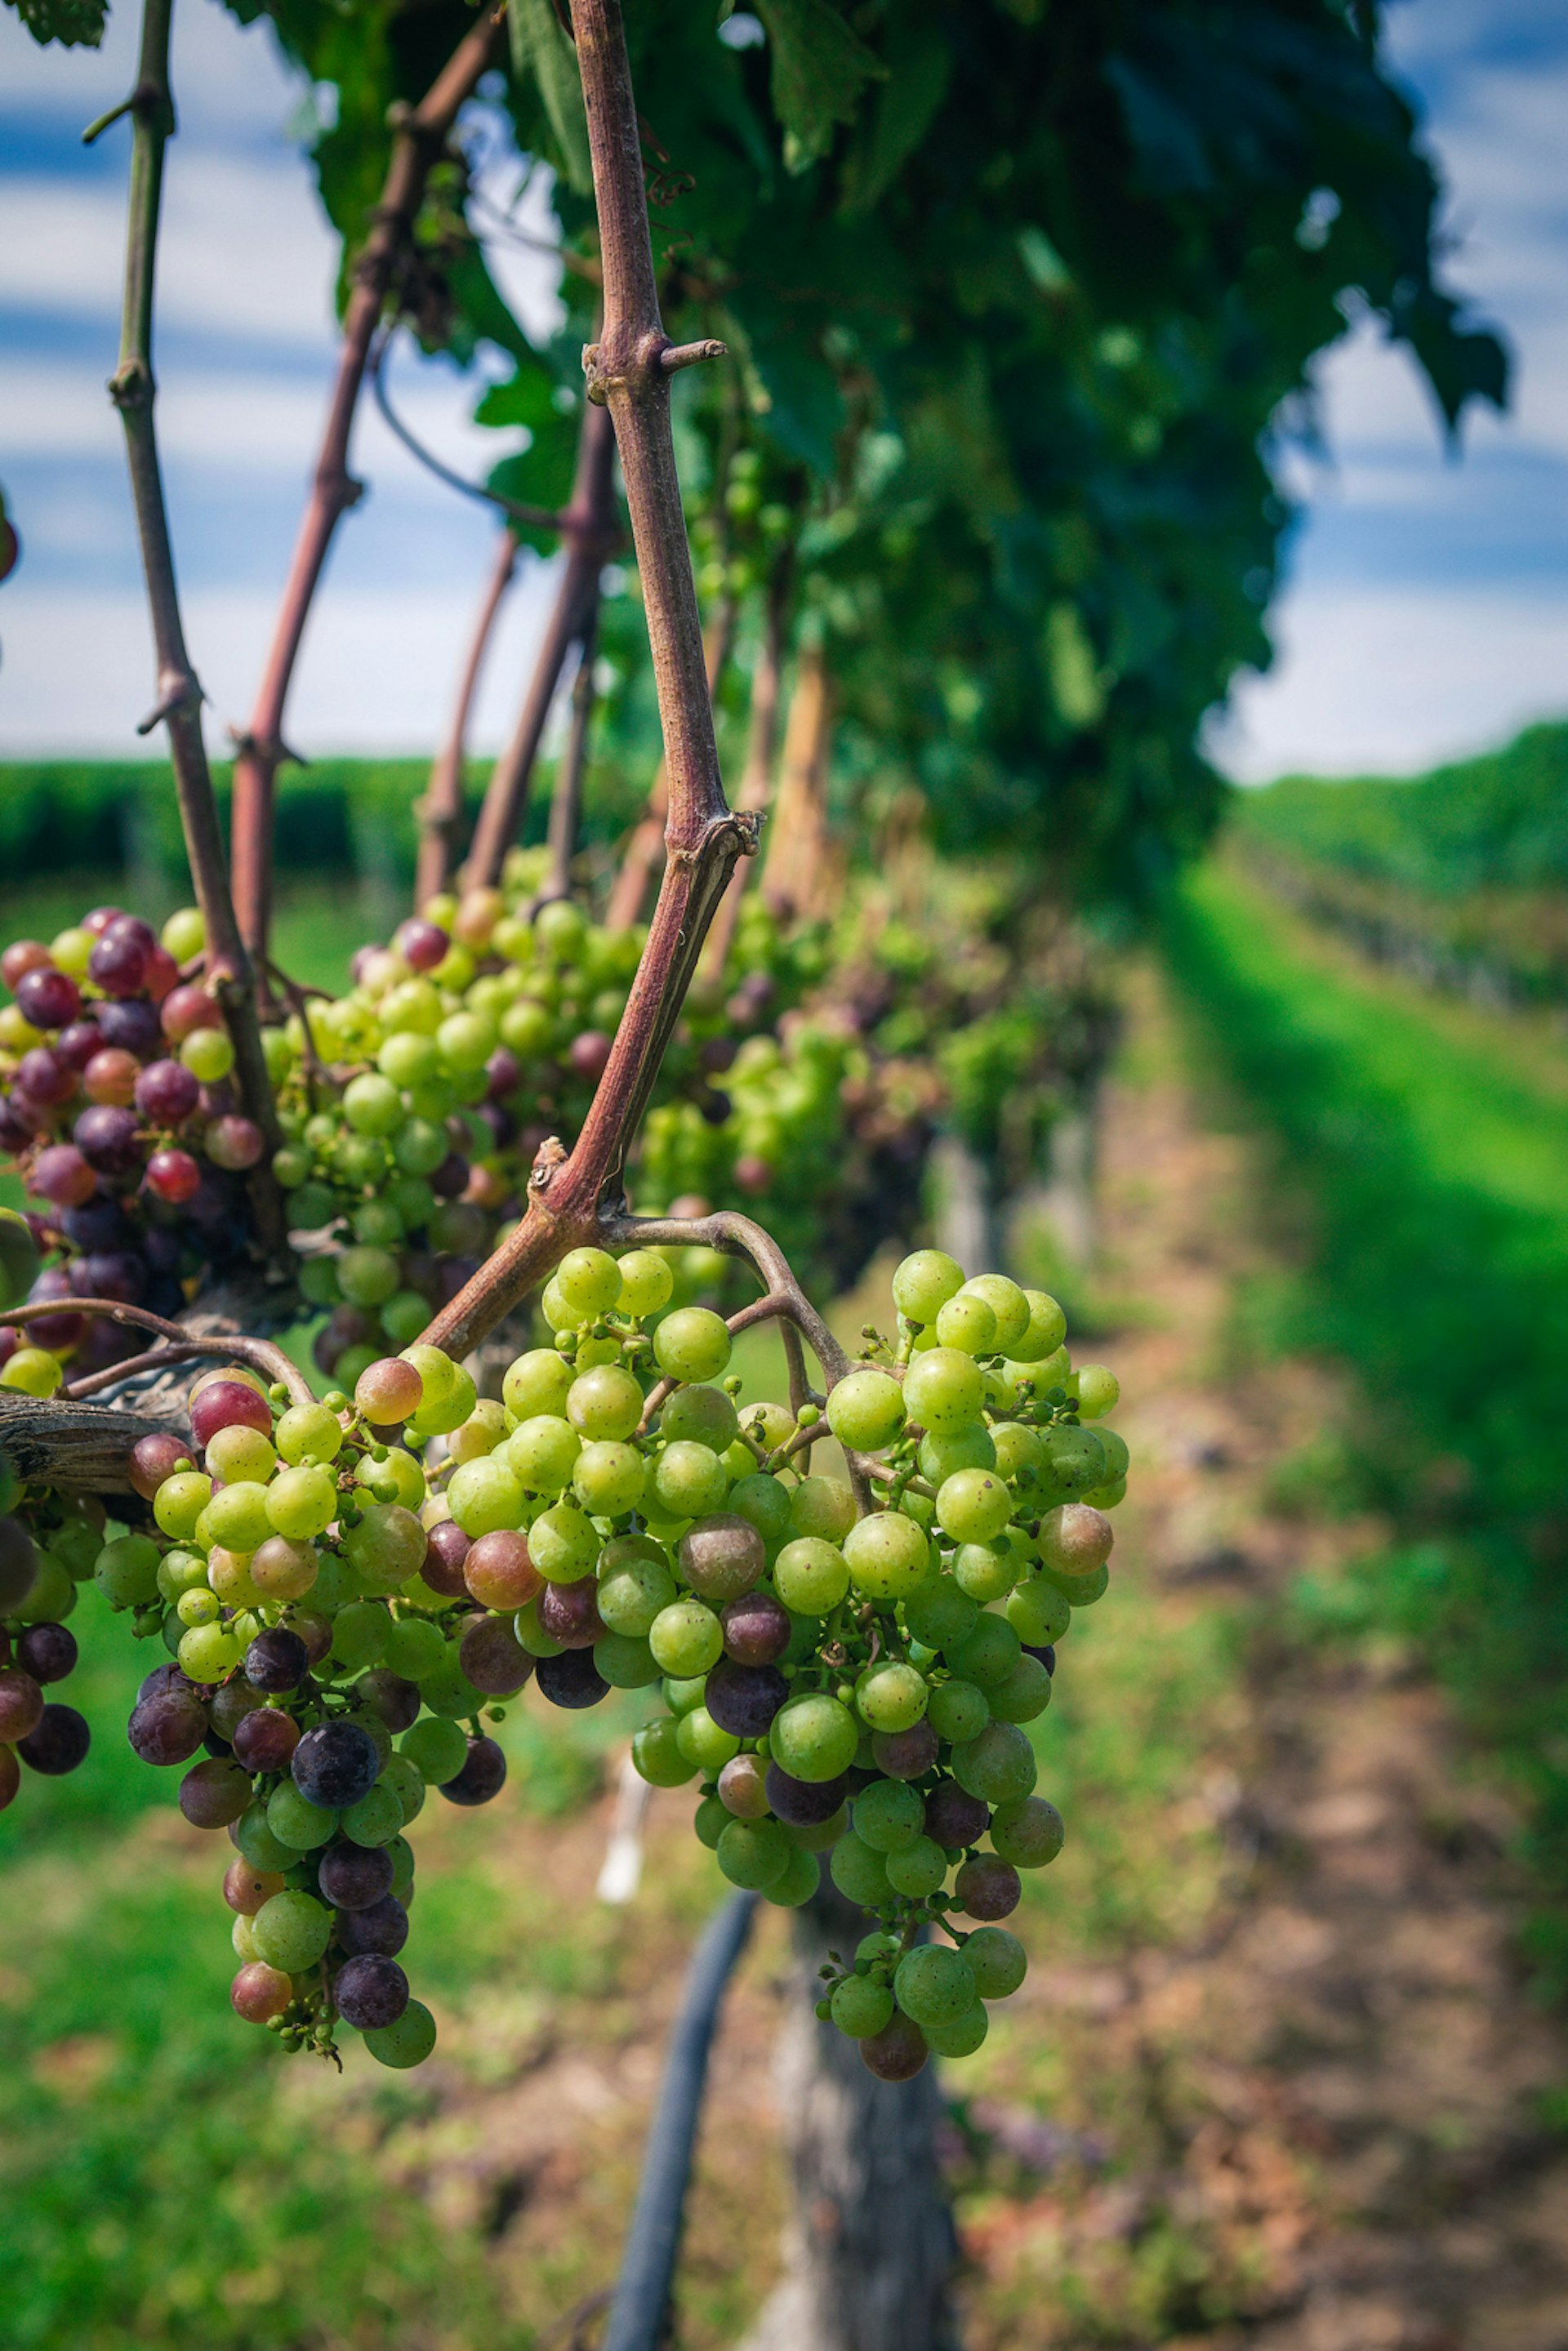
(133, 392)
(579, 1197)
(762, 748)
(419, 138)
(589, 528)
(440, 812)
(260, 1354)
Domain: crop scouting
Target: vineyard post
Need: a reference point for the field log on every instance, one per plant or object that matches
(440, 812)
(420, 135)
(133, 391)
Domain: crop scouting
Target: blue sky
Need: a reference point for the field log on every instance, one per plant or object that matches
(1426, 610)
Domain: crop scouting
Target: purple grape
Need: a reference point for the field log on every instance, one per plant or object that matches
(18, 1565)
(165, 1677)
(62, 1177)
(265, 1739)
(744, 1699)
(59, 1743)
(503, 1070)
(118, 1274)
(335, 1764)
(107, 1344)
(108, 1138)
(1046, 1652)
(161, 1251)
(370, 1992)
(168, 1727)
(44, 1078)
(48, 997)
(803, 1803)
(19, 1122)
(450, 1177)
(756, 1628)
(569, 1613)
(120, 960)
(167, 1093)
(100, 1224)
(354, 1876)
(954, 1818)
(492, 1656)
(395, 1700)
(277, 1660)
(54, 1330)
(382, 1928)
(77, 1044)
(135, 1028)
(572, 1679)
(454, 1273)
(483, 1771)
(47, 1652)
(905, 1754)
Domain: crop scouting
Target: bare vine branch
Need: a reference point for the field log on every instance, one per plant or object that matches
(440, 812)
(527, 517)
(420, 136)
(260, 1354)
(179, 705)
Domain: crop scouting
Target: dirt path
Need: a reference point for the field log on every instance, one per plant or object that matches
(1346, 2082)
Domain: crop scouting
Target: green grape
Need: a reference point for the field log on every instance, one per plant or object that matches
(376, 1819)
(554, 1308)
(646, 1283)
(888, 1815)
(944, 1390)
(1079, 1590)
(536, 1383)
(961, 2038)
(1038, 1613)
(408, 1058)
(710, 1820)
(589, 1280)
(292, 1930)
(563, 1544)
(1025, 1694)
(702, 1742)
(413, 1203)
(810, 1577)
(919, 1869)
(399, 1479)
(308, 1434)
(531, 1636)
(893, 1696)
(605, 1403)
(402, 1854)
(1028, 1831)
(437, 1749)
(634, 1584)
(939, 1614)
(387, 1546)
(414, 1645)
(764, 1500)
(887, 1555)
(448, 1690)
(986, 1572)
(998, 1765)
(958, 1711)
(971, 1449)
(1046, 1329)
(208, 1652)
(1105, 1498)
(365, 1276)
(799, 1880)
(240, 1455)
(822, 1835)
(700, 1415)
(440, 1415)
(319, 1278)
(406, 1782)
(973, 1506)
(1075, 1458)
(924, 1283)
(198, 1607)
(988, 1655)
(359, 1634)
(208, 1054)
(126, 1569)
(861, 2006)
(932, 1985)
(859, 1873)
(308, 1208)
(866, 1410)
(680, 1696)
(1117, 1459)
(691, 1343)
(254, 1840)
(968, 1323)
(1018, 1451)
(485, 1496)
(608, 1479)
(238, 1517)
(418, 1148)
(624, 1662)
(404, 1316)
(1099, 1391)
(180, 1501)
(812, 1737)
(823, 1507)
(769, 1425)
(407, 2042)
(295, 1822)
(690, 1480)
(687, 1639)
(301, 1502)
(1008, 1305)
(542, 1452)
(657, 1759)
(371, 1104)
(178, 1572)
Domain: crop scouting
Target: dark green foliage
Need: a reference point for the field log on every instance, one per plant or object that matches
(74, 23)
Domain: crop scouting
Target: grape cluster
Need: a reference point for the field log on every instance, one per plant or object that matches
(348, 1587)
(115, 1106)
(46, 1548)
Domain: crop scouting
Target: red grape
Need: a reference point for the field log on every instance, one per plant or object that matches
(504, 1073)
(229, 1403)
(163, 974)
(372, 1990)
(492, 1659)
(47, 1652)
(383, 1927)
(20, 957)
(987, 1886)
(897, 2052)
(756, 1628)
(166, 1092)
(265, 1739)
(258, 1992)
(97, 922)
(118, 1274)
(421, 944)
(589, 1054)
(19, 1122)
(168, 1727)
(185, 1009)
(152, 1458)
(233, 1143)
(173, 1175)
(110, 1077)
(446, 1549)
(21, 1706)
(568, 1613)
(496, 1570)
(353, 1876)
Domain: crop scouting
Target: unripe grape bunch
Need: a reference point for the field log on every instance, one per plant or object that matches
(844, 1673)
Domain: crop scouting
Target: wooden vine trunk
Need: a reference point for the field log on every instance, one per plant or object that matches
(798, 838)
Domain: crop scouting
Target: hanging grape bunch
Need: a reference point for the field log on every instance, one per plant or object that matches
(45, 1549)
(844, 1679)
(116, 1109)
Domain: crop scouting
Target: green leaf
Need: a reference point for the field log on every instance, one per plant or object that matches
(820, 68)
(74, 23)
(540, 47)
(905, 107)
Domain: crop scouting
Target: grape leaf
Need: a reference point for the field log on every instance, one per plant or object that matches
(74, 23)
(540, 47)
(820, 68)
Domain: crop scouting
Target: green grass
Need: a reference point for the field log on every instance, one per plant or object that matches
(1423, 1176)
